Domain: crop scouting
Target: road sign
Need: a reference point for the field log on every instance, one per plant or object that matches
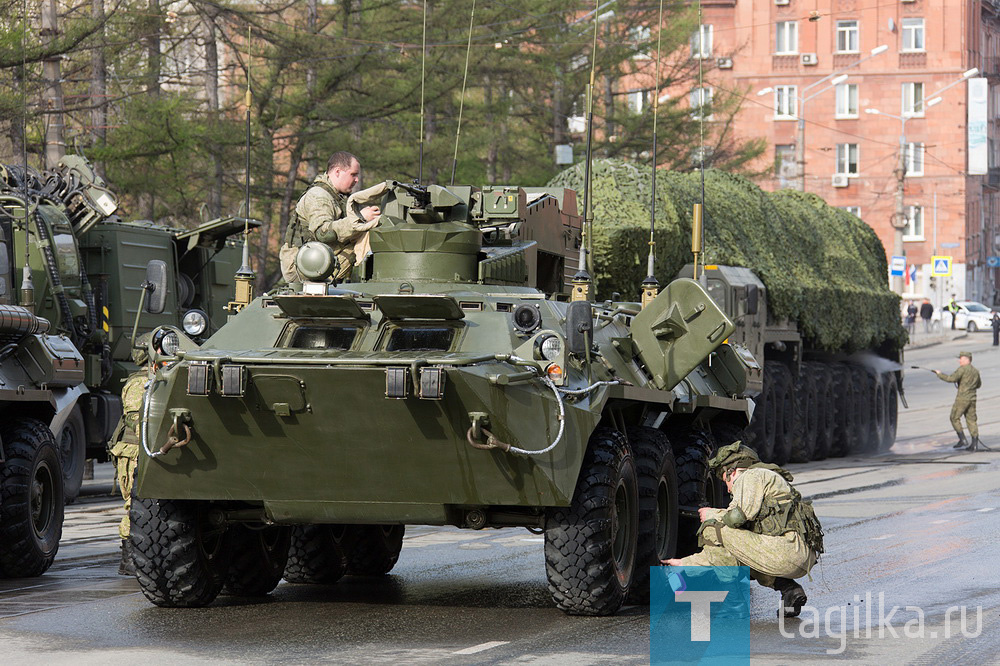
(949, 245)
(993, 262)
(897, 266)
(941, 266)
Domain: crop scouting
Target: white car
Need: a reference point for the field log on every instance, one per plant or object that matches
(972, 316)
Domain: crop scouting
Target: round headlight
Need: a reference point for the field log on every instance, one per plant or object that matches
(551, 347)
(170, 344)
(195, 322)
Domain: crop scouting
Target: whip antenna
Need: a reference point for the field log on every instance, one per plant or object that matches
(461, 104)
(423, 66)
(650, 287)
(27, 286)
(582, 279)
(245, 276)
(697, 218)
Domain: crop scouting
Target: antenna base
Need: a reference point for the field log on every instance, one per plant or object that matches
(650, 290)
(581, 286)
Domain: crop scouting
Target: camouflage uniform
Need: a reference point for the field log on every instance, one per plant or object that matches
(321, 215)
(125, 443)
(966, 379)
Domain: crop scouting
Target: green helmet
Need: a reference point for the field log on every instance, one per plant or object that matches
(732, 455)
(140, 352)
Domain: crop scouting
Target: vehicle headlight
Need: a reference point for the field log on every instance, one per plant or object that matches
(170, 344)
(195, 322)
(550, 347)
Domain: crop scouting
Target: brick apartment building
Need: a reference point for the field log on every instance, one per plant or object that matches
(896, 56)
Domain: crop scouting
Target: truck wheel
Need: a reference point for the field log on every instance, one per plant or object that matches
(316, 554)
(657, 484)
(373, 550)
(258, 561)
(802, 436)
(784, 411)
(31, 499)
(843, 389)
(891, 411)
(825, 408)
(696, 487)
(764, 418)
(865, 435)
(73, 453)
(180, 550)
(590, 546)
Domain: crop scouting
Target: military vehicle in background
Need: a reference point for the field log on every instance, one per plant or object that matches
(88, 267)
(452, 384)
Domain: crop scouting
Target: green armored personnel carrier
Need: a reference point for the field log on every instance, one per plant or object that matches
(451, 384)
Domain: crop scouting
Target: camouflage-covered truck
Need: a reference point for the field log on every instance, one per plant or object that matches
(88, 267)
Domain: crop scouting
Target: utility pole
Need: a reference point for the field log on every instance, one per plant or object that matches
(899, 217)
(52, 96)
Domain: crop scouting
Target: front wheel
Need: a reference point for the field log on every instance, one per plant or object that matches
(180, 550)
(590, 546)
(73, 451)
(31, 499)
(971, 327)
(658, 506)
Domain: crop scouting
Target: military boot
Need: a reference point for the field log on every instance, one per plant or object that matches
(962, 442)
(793, 597)
(126, 567)
(974, 445)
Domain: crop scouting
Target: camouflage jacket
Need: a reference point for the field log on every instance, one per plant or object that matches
(132, 397)
(966, 378)
(774, 507)
(321, 214)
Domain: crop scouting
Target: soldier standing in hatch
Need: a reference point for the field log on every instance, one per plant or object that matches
(768, 527)
(966, 379)
(321, 215)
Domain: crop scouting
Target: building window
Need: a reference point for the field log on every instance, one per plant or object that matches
(701, 42)
(847, 37)
(637, 100)
(787, 37)
(915, 159)
(701, 102)
(913, 34)
(853, 210)
(847, 100)
(913, 99)
(914, 229)
(639, 36)
(847, 159)
(785, 102)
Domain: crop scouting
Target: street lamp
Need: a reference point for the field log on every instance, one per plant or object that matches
(899, 216)
(835, 78)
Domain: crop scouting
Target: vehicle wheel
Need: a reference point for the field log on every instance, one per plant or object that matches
(696, 487)
(373, 549)
(258, 560)
(180, 550)
(880, 413)
(802, 435)
(73, 454)
(764, 419)
(657, 483)
(846, 417)
(891, 411)
(865, 435)
(31, 499)
(971, 327)
(590, 546)
(825, 407)
(316, 554)
(784, 411)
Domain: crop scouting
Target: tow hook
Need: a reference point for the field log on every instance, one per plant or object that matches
(180, 420)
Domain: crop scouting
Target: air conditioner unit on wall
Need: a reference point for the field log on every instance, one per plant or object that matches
(724, 63)
(809, 59)
(781, 2)
(840, 180)
(907, 0)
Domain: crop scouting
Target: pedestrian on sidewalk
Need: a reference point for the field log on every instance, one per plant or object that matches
(911, 318)
(995, 323)
(926, 312)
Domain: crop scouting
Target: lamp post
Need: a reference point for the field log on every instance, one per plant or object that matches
(835, 78)
(899, 215)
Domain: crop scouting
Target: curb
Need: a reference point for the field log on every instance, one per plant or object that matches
(936, 341)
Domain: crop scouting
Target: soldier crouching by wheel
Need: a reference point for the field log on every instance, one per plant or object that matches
(768, 527)
(125, 441)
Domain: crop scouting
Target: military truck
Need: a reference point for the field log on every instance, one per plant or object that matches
(451, 384)
(88, 267)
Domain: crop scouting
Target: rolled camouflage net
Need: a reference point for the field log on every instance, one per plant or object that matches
(823, 268)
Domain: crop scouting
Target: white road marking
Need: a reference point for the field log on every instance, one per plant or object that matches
(985, 509)
(482, 647)
(884, 536)
(534, 539)
(939, 522)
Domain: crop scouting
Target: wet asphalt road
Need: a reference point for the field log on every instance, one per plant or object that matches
(918, 526)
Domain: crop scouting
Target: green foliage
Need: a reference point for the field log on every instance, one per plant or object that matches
(823, 268)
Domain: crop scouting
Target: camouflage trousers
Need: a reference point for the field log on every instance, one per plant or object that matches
(770, 557)
(967, 408)
(126, 457)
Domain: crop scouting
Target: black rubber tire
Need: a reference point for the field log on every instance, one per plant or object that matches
(373, 550)
(825, 408)
(846, 423)
(696, 486)
(181, 560)
(802, 435)
(316, 554)
(72, 441)
(762, 425)
(891, 390)
(258, 560)
(590, 546)
(865, 436)
(784, 413)
(657, 479)
(31, 499)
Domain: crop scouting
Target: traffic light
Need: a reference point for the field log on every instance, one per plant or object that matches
(933, 283)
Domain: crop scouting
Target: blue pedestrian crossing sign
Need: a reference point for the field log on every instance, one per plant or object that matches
(941, 266)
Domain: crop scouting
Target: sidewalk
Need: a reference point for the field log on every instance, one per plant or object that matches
(919, 339)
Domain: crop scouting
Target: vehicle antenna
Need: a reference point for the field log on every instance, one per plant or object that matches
(650, 287)
(27, 286)
(423, 69)
(245, 276)
(461, 103)
(582, 280)
(697, 218)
